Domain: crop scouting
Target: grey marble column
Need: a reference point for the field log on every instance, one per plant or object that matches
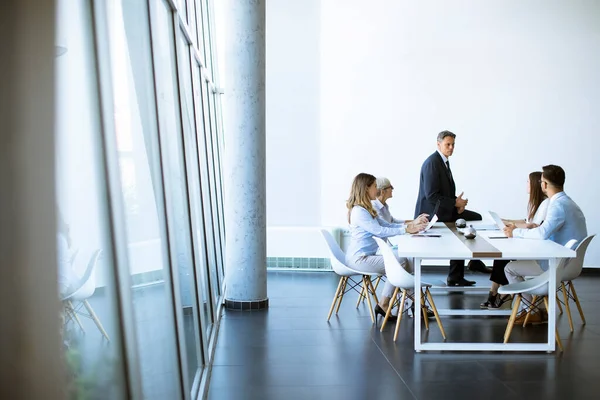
(244, 126)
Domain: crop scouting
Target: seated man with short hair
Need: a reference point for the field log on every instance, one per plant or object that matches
(564, 221)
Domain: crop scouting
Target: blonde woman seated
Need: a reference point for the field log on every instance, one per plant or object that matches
(384, 192)
(364, 225)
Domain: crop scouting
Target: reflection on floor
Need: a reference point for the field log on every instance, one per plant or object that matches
(96, 362)
(290, 352)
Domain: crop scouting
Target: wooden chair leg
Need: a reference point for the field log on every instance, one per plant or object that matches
(336, 296)
(389, 309)
(558, 341)
(366, 281)
(424, 310)
(529, 310)
(371, 289)
(513, 316)
(577, 303)
(400, 313)
(74, 314)
(567, 307)
(560, 310)
(341, 295)
(361, 296)
(96, 320)
(377, 282)
(435, 312)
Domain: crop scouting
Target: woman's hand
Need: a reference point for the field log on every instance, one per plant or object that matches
(422, 219)
(415, 227)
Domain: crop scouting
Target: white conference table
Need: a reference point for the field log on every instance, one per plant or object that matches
(452, 246)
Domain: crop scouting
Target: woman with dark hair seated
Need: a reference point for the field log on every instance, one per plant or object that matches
(536, 212)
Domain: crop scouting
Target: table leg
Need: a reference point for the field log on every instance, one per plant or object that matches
(553, 262)
(417, 303)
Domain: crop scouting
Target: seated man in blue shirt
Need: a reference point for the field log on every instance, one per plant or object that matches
(564, 221)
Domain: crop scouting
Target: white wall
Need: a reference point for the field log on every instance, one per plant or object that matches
(292, 107)
(517, 82)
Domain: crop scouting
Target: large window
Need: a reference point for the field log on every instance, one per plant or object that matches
(140, 239)
(91, 323)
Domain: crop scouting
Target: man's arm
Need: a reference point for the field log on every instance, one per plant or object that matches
(433, 188)
(555, 219)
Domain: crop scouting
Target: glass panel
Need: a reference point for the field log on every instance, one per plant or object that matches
(206, 46)
(183, 9)
(218, 211)
(137, 143)
(214, 268)
(189, 129)
(87, 288)
(205, 189)
(199, 27)
(204, 157)
(176, 181)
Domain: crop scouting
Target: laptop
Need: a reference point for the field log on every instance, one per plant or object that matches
(499, 223)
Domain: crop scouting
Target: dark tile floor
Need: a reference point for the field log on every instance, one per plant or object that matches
(291, 352)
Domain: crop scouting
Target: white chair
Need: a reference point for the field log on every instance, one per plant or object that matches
(338, 263)
(74, 302)
(537, 287)
(404, 281)
(571, 271)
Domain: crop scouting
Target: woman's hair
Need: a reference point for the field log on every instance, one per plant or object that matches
(359, 194)
(536, 196)
(382, 183)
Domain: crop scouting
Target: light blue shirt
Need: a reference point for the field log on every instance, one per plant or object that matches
(383, 212)
(564, 221)
(363, 227)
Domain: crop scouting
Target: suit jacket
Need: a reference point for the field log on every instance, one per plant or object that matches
(436, 183)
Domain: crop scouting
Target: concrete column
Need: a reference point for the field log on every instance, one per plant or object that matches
(244, 126)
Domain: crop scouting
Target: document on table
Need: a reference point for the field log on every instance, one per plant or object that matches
(430, 224)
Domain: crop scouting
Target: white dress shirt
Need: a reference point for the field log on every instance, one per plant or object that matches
(540, 214)
(363, 227)
(383, 211)
(444, 158)
(564, 221)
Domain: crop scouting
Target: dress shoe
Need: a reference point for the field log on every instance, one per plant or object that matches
(501, 303)
(380, 311)
(478, 266)
(430, 313)
(460, 282)
(492, 299)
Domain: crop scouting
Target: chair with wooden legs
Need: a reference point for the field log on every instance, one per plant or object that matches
(350, 279)
(361, 296)
(538, 288)
(75, 302)
(572, 270)
(405, 282)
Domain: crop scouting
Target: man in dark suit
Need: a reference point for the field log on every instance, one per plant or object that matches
(437, 186)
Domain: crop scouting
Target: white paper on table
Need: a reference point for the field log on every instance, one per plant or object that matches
(430, 224)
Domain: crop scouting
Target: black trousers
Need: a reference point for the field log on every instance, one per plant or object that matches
(498, 275)
(457, 267)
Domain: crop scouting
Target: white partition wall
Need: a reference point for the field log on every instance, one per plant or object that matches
(516, 81)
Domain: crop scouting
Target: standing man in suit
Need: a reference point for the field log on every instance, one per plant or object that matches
(437, 185)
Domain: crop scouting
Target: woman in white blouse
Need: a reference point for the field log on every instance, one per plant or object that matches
(384, 192)
(536, 212)
(366, 224)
